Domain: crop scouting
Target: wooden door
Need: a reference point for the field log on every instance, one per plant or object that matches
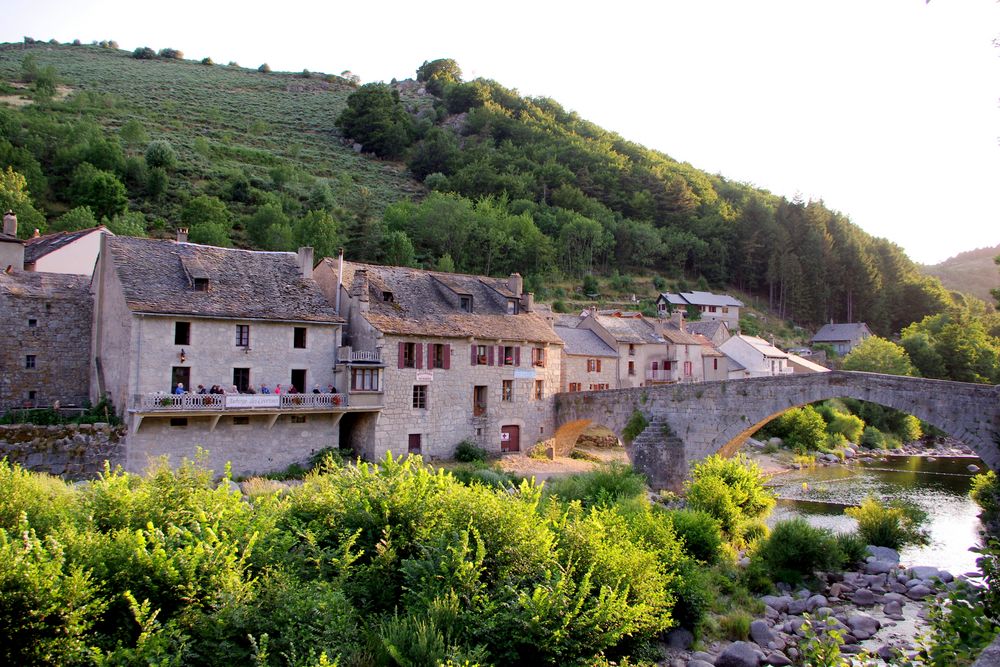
(413, 443)
(510, 438)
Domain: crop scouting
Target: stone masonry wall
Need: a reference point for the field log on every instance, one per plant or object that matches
(574, 369)
(73, 451)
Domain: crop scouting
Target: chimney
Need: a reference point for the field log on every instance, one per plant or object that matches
(528, 302)
(306, 262)
(36, 233)
(10, 223)
(515, 284)
(182, 234)
(677, 317)
(359, 289)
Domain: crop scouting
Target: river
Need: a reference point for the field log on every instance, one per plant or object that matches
(940, 486)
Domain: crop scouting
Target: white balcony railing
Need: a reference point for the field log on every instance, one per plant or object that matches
(659, 376)
(157, 402)
(348, 355)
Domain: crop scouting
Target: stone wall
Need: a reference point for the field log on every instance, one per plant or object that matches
(574, 369)
(72, 451)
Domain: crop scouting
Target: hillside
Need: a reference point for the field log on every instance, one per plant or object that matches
(272, 160)
(973, 272)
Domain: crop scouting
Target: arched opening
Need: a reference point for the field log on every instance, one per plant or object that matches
(590, 440)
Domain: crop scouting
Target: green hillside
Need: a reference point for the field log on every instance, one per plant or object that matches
(268, 160)
(973, 272)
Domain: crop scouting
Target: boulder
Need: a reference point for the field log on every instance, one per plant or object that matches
(796, 607)
(761, 634)
(924, 572)
(893, 610)
(862, 626)
(918, 592)
(699, 663)
(777, 603)
(863, 597)
(837, 589)
(879, 567)
(815, 602)
(883, 553)
(704, 657)
(679, 638)
(823, 612)
(945, 576)
(739, 654)
(851, 649)
(777, 658)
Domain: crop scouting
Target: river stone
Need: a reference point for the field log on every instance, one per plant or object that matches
(918, 592)
(862, 626)
(945, 576)
(738, 654)
(896, 587)
(778, 603)
(893, 610)
(914, 582)
(838, 589)
(771, 614)
(851, 649)
(863, 597)
(879, 567)
(883, 553)
(924, 572)
(704, 657)
(888, 653)
(699, 663)
(680, 638)
(824, 612)
(796, 607)
(761, 634)
(815, 602)
(849, 453)
(777, 658)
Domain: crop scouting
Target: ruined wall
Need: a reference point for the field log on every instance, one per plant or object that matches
(75, 451)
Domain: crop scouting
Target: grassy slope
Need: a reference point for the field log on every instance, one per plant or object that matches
(973, 272)
(221, 118)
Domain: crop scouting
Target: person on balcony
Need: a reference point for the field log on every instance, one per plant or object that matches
(277, 389)
(179, 389)
(201, 389)
(264, 389)
(331, 389)
(316, 389)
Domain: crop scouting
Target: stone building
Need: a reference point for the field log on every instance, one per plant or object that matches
(588, 363)
(45, 326)
(754, 357)
(842, 337)
(635, 341)
(465, 357)
(171, 312)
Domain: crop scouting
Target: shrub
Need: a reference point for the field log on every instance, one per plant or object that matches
(848, 425)
(910, 429)
(700, 532)
(264, 69)
(171, 54)
(872, 438)
(801, 429)
(207, 61)
(736, 625)
(144, 53)
(795, 550)
(605, 485)
(731, 490)
(986, 493)
(161, 154)
(636, 424)
(693, 593)
(468, 452)
(853, 549)
(894, 526)
(712, 496)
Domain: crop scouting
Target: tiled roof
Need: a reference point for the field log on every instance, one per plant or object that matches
(673, 299)
(44, 285)
(584, 342)
(706, 328)
(677, 337)
(629, 329)
(838, 332)
(707, 348)
(413, 302)
(37, 248)
(701, 299)
(243, 284)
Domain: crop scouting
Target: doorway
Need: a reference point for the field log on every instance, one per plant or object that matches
(180, 374)
(510, 438)
(299, 379)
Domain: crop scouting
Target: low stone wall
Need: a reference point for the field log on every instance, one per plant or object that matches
(73, 451)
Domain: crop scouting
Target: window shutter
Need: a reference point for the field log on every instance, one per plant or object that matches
(517, 355)
(419, 350)
(598, 365)
(489, 353)
(655, 366)
(473, 347)
(402, 351)
(447, 356)
(430, 356)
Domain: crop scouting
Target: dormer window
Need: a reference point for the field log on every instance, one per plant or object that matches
(387, 297)
(201, 284)
(465, 303)
(512, 306)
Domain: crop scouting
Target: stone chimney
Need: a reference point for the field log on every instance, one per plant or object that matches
(515, 284)
(359, 289)
(182, 234)
(10, 223)
(306, 262)
(677, 318)
(528, 302)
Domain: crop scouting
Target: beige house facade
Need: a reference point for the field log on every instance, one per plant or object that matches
(754, 357)
(588, 363)
(65, 252)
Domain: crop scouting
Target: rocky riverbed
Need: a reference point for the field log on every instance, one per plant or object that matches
(879, 609)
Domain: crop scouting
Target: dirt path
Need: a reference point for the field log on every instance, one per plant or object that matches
(542, 469)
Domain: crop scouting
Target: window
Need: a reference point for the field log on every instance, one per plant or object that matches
(32, 323)
(387, 297)
(299, 379)
(29, 361)
(512, 306)
(241, 421)
(631, 350)
(413, 442)
(715, 364)
(182, 333)
(299, 338)
(178, 421)
(688, 369)
(479, 400)
(297, 419)
(241, 379)
(598, 387)
(465, 303)
(631, 368)
(711, 309)
(593, 365)
(539, 389)
(364, 379)
(32, 394)
(725, 309)
(437, 356)
(538, 356)
(507, 393)
(481, 355)
(420, 396)
(575, 386)
(243, 335)
(409, 355)
(508, 355)
(201, 284)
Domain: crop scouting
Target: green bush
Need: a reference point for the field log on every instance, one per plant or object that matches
(895, 525)
(795, 550)
(468, 452)
(160, 154)
(853, 549)
(872, 438)
(986, 493)
(144, 53)
(848, 425)
(735, 626)
(602, 486)
(636, 424)
(700, 533)
(801, 429)
(730, 490)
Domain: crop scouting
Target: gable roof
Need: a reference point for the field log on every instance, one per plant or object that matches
(38, 247)
(707, 348)
(673, 334)
(706, 328)
(697, 298)
(762, 346)
(838, 332)
(584, 342)
(243, 284)
(806, 364)
(629, 329)
(427, 303)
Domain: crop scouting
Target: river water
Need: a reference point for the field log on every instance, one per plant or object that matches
(940, 486)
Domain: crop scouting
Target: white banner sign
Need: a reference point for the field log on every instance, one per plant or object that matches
(425, 377)
(524, 373)
(253, 400)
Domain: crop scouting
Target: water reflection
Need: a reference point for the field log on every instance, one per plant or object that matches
(940, 486)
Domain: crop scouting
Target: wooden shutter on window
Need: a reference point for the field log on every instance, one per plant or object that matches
(517, 355)
(402, 352)
(473, 354)
(430, 356)
(447, 356)
(419, 351)
(598, 365)
(489, 352)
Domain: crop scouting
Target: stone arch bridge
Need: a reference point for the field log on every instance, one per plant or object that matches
(688, 422)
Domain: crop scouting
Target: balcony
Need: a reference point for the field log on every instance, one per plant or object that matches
(162, 402)
(659, 376)
(348, 355)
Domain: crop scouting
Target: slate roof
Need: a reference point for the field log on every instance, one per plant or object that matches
(7, 238)
(838, 332)
(44, 285)
(764, 347)
(697, 298)
(706, 328)
(584, 343)
(156, 277)
(707, 348)
(677, 337)
(427, 303)
(673, 299)
(36, 248)
(629, 329)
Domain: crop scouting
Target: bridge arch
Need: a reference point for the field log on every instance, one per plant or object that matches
(690, 422)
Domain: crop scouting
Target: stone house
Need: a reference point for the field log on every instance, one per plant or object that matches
(588, 363)
(754, 357)
(684, 361)
(65, 252)
(715, 364)
(842, 337)
(710, 306)
(637, 343)
(169, 312)
(466, 357)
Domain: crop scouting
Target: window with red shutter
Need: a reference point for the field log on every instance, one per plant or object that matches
(419, 361)
(400, 362)
(447, 357)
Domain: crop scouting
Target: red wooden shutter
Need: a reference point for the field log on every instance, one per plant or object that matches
(598, 365)
(489, 353)
(447, 356)
(419, 350)
(517, 355)
(402, 351)
(473, 355)
(430, 356)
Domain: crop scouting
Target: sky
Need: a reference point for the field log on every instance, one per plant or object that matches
(886, 110)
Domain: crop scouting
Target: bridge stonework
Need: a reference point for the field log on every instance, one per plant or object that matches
(688, 422)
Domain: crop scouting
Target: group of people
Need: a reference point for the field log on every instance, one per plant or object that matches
(264, 389)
